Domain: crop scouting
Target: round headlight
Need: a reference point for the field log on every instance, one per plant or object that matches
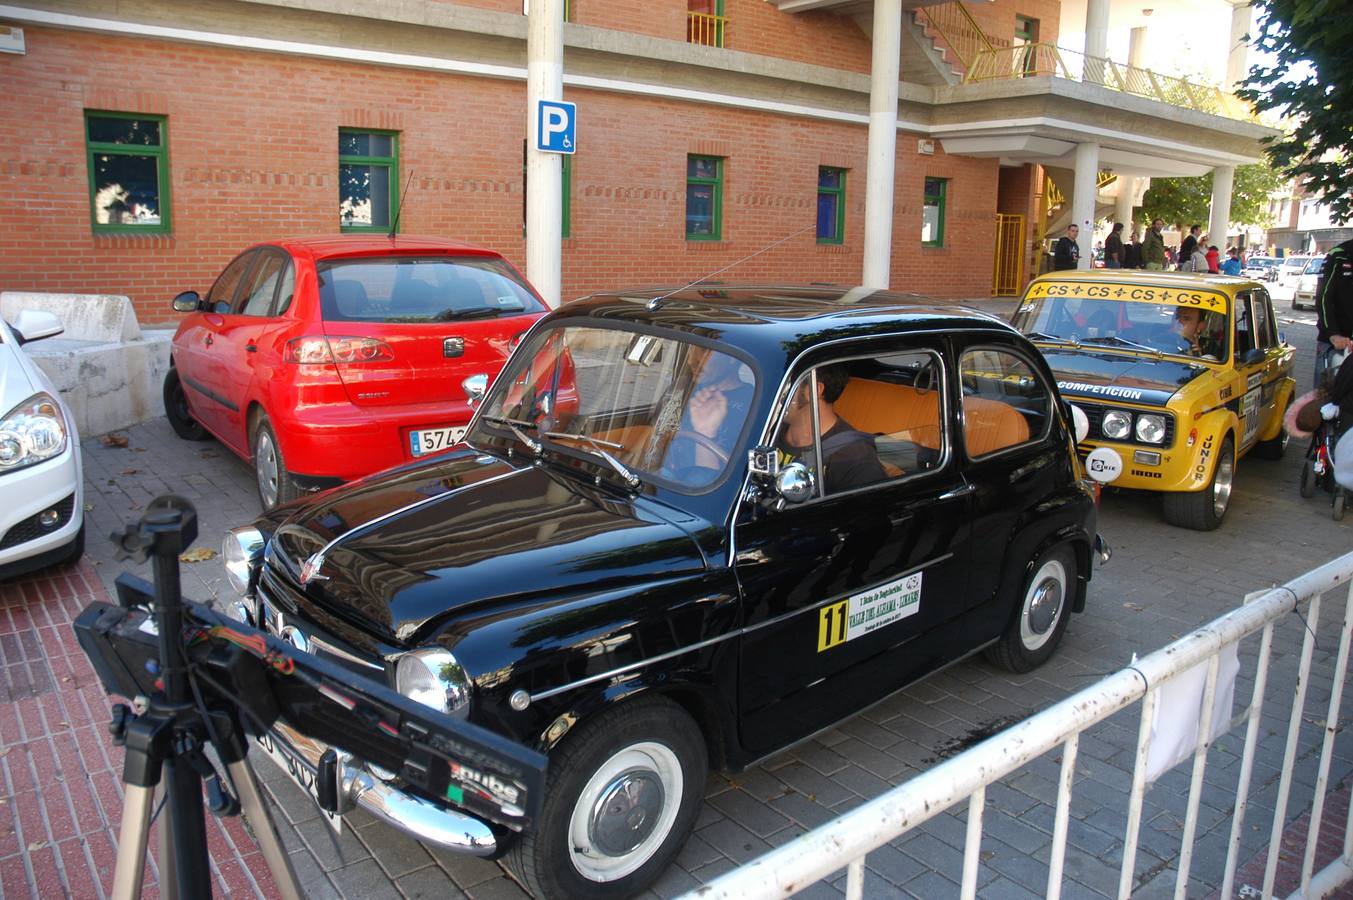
(1151, 428)
(241, 553)
(435, 679)
(1117, 424)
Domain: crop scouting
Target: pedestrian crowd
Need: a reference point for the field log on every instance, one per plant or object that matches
(1196, 252)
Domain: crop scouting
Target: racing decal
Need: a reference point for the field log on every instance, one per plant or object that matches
(1254, 381)
(1249, 415)
(1102, 390)
(1225, 393)
(1200, 468)
(1128, 292)
(858, 615)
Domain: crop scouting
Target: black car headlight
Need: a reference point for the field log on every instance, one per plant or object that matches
(31, 432)
(1117, 424)
(435, 679)
(1150, 428)
(242, 553)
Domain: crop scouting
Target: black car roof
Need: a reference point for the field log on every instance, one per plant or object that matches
(762, 316)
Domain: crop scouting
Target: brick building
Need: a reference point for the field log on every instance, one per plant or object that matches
(143, 145)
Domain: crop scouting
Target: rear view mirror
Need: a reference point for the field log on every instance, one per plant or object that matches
(188, 301)
(474, 388)
(795, 483)
(1252, 357)
(34, 325)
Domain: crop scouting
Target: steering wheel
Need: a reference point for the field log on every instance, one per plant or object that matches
(705, 441)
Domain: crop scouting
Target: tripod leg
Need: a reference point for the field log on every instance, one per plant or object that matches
(255, 808)
(164, 828)
(137, 806)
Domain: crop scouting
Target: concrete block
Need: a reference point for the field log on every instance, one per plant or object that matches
(102, 318)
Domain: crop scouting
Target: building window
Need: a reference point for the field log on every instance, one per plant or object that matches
(932, 215)
(128, 155)
(831, 205)
(368, 179)
(1026, 35)
(565, 190)
(705, 23)
(704, 198)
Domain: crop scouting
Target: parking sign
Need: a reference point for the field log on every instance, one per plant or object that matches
(555, 127)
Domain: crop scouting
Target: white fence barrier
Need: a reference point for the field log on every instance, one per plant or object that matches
(1161, 682)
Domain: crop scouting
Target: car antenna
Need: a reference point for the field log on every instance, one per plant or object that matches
(395, 224)
(657, 301)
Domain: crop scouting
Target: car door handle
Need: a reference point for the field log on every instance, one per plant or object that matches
(251, 348)
(209, 341)
(957, 492)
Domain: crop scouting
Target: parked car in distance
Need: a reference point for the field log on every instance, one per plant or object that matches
(42, 521)
(662, 578)
(1290, 269)
(1304, 295)
(324, 359)
(1179, 374)
(1261, 268)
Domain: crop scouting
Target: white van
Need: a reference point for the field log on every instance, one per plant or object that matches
(1291, 270)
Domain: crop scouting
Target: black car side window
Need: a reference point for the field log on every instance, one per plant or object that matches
(878, 419)
(1005, 402)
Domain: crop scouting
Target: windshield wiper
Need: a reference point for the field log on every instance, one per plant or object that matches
(1122, 342)
(1044, 336)
(479, 312)
(599, 446)
(517, 425)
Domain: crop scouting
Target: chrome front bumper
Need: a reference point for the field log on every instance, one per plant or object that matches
(358, 788)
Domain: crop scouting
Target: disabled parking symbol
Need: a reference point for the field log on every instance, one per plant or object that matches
(556, 130)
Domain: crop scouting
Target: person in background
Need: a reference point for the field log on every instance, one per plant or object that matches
(1333, 305)
(1113, 247)
(1195, 262)
(1067, 252)
(1213, 257)
(1190, 241)
(1153, 246)
(1132, 251)
(1231, 265)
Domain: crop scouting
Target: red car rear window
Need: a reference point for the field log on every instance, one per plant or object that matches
(421, 289)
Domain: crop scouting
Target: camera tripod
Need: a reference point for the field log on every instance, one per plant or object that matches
(166, 734)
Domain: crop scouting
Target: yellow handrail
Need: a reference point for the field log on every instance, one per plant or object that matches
(703, 28)
(958, 29)
(1031, 60)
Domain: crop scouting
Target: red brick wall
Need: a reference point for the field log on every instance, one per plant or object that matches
(253, 155)
(997, 19)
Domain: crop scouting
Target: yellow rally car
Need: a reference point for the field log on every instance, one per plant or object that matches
(1179, 375)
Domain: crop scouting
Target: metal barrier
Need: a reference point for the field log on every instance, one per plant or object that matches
(1294, 608)
(707, 29)
(1007, 277)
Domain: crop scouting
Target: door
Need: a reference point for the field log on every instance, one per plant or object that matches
(198, 362)
(1276, 365)
(858, 590)
(239, 348)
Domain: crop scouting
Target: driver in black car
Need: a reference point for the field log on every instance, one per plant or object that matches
(716, 412)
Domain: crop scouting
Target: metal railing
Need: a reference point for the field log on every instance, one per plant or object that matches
(707, 29)
(1007, 276)
(1159, 681)
(957, 30)
(1031, 60)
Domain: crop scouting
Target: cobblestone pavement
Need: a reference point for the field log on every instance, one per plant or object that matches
(1161, 583)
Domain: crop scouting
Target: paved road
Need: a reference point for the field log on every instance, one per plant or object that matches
(1161, 583)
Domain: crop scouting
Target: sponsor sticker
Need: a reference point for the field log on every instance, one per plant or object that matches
(1101, 390)
(858, 615)
(1128, 292)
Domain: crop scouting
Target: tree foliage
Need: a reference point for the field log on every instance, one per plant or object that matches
(1188, 200)
(1311, 82)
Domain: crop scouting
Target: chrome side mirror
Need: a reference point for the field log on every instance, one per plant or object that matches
(475, 387)
(795, 483)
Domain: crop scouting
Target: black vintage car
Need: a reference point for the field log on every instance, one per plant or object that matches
(655, 553)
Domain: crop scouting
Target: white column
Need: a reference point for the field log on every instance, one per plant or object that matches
(544, 171)
(1096, 40)
(1083, 198)
(1237, 58)
(1137, 47)
(1122, 211)
(1223, 178)
(881, 162)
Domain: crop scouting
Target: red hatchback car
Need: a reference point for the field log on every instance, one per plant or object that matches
(325, 359)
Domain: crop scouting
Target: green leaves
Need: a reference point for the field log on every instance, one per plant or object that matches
(1184, 201)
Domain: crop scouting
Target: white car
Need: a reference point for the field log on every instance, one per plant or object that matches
(42, 520)
(1290, 269)
(1304, 295)
(1261, 268)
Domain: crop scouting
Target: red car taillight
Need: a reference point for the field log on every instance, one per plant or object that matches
(330, 350)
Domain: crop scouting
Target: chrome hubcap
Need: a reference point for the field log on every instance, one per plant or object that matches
(1043, 604)
(1221, 485)
(626, 812)
(265, 463)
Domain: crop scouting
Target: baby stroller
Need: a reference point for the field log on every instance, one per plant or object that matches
(1318, 469)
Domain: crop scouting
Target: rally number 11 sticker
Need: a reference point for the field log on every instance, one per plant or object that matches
(849, 618)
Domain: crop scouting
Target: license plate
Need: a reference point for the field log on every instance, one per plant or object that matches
(300, 773)
(434, 440)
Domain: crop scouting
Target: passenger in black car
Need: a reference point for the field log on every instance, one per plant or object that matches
(851, 458)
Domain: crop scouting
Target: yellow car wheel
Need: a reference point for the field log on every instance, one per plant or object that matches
(1203, 510)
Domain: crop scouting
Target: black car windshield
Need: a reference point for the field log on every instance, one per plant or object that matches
(668, 410)
(1180, 329)
(420, 289)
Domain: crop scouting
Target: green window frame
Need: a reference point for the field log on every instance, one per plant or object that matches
(374, 162)
(103, 157)
(932, 212)
(831, 205)
(704, 184)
